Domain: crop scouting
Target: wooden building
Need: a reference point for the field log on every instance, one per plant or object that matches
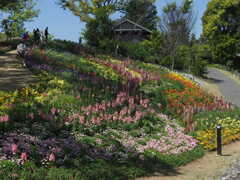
(127, 30)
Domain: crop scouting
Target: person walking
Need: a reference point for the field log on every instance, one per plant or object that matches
(46, 34)
(26, 36)
(38, 36)
(80, 40)
(35, 36)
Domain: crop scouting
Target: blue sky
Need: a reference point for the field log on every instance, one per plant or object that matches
(64, 25)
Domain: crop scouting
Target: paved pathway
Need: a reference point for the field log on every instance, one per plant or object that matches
(229, 88)
(12, 74)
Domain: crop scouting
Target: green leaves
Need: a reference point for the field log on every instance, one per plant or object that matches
(142, 12)
(221, 28)
(18, 13)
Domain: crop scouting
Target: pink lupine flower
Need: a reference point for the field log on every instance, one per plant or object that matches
(31, 115)
(4, 118)
(52, 157)
(99, 141)
(81, 119)
(77, 97)
(14, 148)
(24, 156)
(131, 100)
(53, 110)
(123, 111)
(87, 113)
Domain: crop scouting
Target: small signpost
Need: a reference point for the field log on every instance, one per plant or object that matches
(219, 140)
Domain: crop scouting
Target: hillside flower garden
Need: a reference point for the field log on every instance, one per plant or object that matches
(98, 117)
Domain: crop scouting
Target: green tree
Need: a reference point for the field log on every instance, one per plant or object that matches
(13, 25)
(89, 10)
(7, 3)
(143, 12)
(221, 29)
(176, 23)
(98, 30)
(96, 14)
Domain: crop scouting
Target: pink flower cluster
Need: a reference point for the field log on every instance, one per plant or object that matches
(14, 149)
(47, 116)
(19, 146)
(4, 118)
(124, 108)
(189, 111)
(122, 69)
(173, 141)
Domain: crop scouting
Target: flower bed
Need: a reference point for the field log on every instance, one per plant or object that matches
(83, 111)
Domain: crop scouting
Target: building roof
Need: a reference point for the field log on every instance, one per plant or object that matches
(138, 27)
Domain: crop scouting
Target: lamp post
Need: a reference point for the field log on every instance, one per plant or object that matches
(219, 140)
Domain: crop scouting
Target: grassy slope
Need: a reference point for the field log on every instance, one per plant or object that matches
(87, 81)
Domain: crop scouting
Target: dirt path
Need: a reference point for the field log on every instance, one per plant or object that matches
(209, 167)
(12, 74)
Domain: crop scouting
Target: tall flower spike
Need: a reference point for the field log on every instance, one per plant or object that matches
(24, 156)
(14, 148)
(52, 157)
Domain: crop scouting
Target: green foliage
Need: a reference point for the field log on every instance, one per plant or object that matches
(13, 25)
(206, 127)
(2, 37)
(142, 12)
(173, 161)
(68, 46)
(88, 10)
(139, 51)
(29, 170)
(6, 4)
(10, 43)
(147, 50)
(98, 30)
(221, 29)
(183, 58)
(177, 22)
(191, 59)
(77, 63)
(210, 120)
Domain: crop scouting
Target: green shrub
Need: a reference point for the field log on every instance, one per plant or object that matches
(3, 37)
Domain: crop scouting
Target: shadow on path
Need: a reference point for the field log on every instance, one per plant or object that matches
(213, 80)
(12, 74)
(228, 87)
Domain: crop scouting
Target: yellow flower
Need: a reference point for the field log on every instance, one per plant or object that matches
(61, 82)
(39, 99)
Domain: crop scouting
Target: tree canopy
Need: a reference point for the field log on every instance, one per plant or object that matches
(176, 23)
(221, 28)
(143, 12)
(13, 24)
(88, 10)
(6, 4)
(96, 14)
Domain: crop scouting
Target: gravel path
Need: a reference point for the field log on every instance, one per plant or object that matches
(12, 74)
(227, 86)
